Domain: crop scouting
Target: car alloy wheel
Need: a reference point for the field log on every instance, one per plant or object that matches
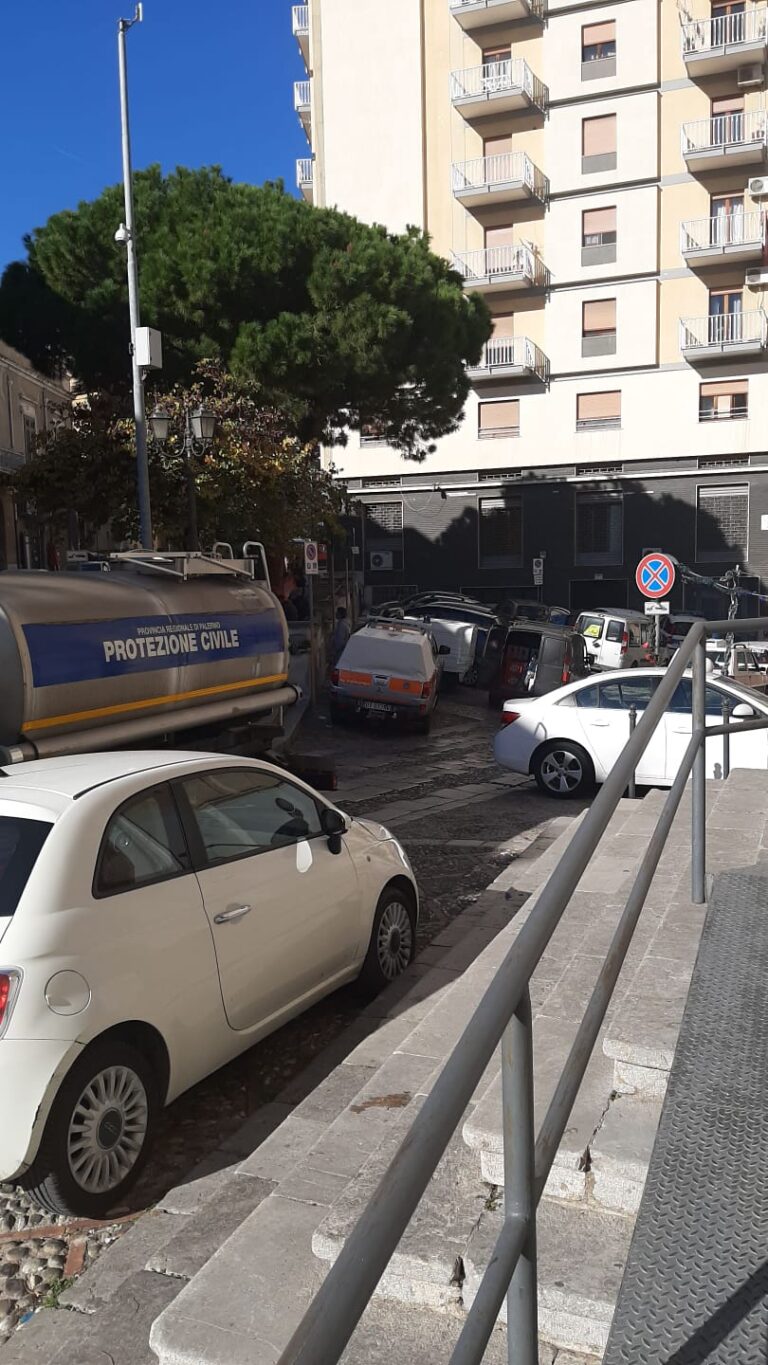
(394, 940)
(107, 1129)
(562, 771)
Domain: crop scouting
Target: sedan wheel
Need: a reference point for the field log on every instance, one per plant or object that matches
(563, 770)
(392, 942)
(98, 1133)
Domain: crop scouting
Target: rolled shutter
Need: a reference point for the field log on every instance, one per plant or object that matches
(598, 135)
(599, 220)
(593, 407)
(503, 416)
(599, 315)
(598, 33)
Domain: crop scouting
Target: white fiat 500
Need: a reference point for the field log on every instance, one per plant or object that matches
(571, 738)
(160, 913)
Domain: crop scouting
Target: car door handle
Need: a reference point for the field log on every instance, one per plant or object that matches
(599, 724)
(236, 912)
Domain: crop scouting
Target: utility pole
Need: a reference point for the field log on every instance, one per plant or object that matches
(126, 234)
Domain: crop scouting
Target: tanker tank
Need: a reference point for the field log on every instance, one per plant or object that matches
(159, 644)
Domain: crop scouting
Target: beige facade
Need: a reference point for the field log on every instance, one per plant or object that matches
(588, 168)
(28, 404)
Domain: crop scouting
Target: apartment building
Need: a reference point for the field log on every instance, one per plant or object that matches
(595, 170)
(28, 404)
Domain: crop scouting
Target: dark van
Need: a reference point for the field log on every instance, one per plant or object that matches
(537, 658)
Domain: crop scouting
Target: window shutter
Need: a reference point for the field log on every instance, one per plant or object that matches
(599, 220)
(504, 325)
(599, 316)
(722, 526)
(500, 532)
(504, 416)
(731, 104)
(598, 135)
(500, 236)
(592, 407)
(496, 54)
(598, 33)
(497, 146)
(724, 388)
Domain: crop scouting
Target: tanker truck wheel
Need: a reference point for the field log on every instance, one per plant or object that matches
(98, 1134)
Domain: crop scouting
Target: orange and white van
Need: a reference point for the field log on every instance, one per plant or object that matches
(389, 670)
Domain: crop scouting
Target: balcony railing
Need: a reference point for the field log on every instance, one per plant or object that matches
(300, 20)
(305, 173)
(725, 130)
(725, 30)
(512, 353)
(498, 78)
(533, 7)
(724, 330)
(500, 262)
(505, 168)
(301, 95)
(727, 230)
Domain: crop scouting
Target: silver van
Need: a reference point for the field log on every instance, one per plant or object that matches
(617, 639)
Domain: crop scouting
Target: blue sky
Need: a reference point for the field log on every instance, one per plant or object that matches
(209, 83)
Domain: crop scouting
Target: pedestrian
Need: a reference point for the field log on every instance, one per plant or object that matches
(341, 633)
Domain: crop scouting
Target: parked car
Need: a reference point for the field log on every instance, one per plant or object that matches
(676, 628)
(159, 914)
(457, 644)
(518, 609)
(389, 670)
(536, 659)
(489, 640)
(571, 738)
(740, 662)
(617, 638)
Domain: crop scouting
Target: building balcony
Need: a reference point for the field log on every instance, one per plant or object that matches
(501, 269)
(501, 179)
(725, 42)
(11, 460)
(305, 177)
(476, 14)
(302, 103)
(724, 336)
(731, 237)
(714, 144)
(300, 24)
(497, 88)
(510, 358)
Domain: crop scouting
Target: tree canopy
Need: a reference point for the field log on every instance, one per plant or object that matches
(337, 324)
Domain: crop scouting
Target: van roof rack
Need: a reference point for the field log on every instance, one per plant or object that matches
(396, 625)
(184, 563)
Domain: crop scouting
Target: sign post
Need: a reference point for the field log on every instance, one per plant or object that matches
(655, 577)
(311, 569)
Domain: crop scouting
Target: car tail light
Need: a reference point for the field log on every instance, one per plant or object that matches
(9, 983)
(507, 717)
(426, 688)
(335, 677)
(625, 642)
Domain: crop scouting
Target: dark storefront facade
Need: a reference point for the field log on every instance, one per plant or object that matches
(481, 534)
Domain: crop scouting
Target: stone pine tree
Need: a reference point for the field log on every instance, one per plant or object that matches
(334, 323)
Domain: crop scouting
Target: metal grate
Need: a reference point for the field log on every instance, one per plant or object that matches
(500, 532)
(722, 522)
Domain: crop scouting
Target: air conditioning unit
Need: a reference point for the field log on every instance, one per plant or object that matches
(758, 186)
(747, 77)
(381, 560)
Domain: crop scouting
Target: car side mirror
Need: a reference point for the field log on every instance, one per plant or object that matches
(742, 712)
(444, 649)
(333, 825)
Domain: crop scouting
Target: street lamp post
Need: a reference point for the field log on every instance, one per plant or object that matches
(126, 235)
(199, 431)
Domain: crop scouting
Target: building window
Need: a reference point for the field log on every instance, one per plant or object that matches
(598, 143)
(598, 411)
(384, 536)
(598, 327)
(599, 528)
(598, 236)
(500, 418)
(598, 50)
(500, 532)
(724, 400)
(29, 429)
(372, 434)
(722, 523)
(727, 120)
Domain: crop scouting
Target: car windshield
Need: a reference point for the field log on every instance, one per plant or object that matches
(20, 843)
(591, 626)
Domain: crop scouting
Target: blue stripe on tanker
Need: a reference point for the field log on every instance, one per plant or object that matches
(82, 651)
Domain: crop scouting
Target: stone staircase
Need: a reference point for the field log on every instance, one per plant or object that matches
(317, 1170)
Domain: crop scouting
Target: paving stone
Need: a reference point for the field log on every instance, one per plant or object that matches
(621, 1152)
(127, 1255)
(338, 1090)
(200, 1186)
(284, 1149)
(581, 1256)
(193, 1244)
(644, 1031)
(50, 1331)
(119, 1333)
(390, 1333)
(256, 1129)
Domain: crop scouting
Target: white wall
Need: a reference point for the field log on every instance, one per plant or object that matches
(637, 249)
(636, 49)
(636, 327)
(636, 142)
(372, 110)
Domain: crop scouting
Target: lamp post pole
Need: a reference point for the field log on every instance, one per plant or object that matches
(199, 431)
(139, 413)
(193, 539)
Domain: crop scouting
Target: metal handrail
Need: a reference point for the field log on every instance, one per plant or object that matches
(305, 172)
(300, 19)
(301, 94)
(496, 78)
(503, 1013)
(724, 329)
(741, 127)
(492, 261)
(727, 229)
(503, 168)
(724, 30)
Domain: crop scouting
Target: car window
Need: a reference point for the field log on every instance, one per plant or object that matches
(238, 813)
(615, 631)
(143, 843)
(587, 696)
(591, 626)
(682, 699)
(20, 844)
(620, 694)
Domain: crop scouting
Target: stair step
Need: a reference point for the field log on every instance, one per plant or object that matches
(581, 1258)
(620, 1152)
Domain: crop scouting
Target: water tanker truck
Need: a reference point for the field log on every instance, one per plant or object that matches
(158, 646)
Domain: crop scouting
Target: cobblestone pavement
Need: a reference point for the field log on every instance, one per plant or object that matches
(452, 808)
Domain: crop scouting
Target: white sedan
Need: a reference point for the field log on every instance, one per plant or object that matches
(571, 738)
(160, 913)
